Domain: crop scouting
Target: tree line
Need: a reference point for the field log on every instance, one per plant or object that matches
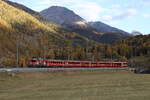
(123, 50)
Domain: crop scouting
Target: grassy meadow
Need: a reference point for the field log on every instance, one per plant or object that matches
(75, 85)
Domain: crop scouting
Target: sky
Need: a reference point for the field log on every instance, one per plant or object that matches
(128, 15)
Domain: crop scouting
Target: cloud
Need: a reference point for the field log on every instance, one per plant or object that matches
(20, 1)
(87, 9)
(146, 0)
(146, 15)
(115, 6)
(44, 2)
(119, 16)
(116, 18)
(125, 14)
(57, 2)
(90, 12)
(107, 18)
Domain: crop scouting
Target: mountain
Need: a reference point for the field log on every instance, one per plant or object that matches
(76, 39)
(17, 25)
(68, 19)
(98, 31)
(35, 36)
(102, 27)
(63, 16)
(32, 36)
(110, 34)
(32, 12)
(135, 33)
(22, 7)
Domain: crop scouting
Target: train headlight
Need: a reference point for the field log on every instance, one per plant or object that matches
(44, 63)
(37, 63)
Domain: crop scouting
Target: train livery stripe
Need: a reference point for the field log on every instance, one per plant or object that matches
(68, 63)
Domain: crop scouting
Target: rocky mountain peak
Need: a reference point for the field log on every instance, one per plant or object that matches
(96, 31)
(102, 27)
(62, 15)
(135, 33)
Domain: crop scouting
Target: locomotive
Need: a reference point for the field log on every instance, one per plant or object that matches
(36, 62)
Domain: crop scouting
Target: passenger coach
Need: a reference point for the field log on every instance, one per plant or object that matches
(70, 63)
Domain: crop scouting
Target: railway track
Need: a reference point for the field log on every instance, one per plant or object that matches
(57, 69)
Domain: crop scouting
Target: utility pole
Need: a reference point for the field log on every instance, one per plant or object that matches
(17, 53)
(87, 44)
(112, 55)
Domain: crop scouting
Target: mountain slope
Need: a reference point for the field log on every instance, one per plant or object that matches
(110, 34)
(32, 37)
(22, 7)
(76, 39)
(70, 20)
(33, 13)
(102, 27)
(55, 13)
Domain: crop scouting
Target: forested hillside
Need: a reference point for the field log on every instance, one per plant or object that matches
(76, 39)
(34, 36)
(19, 29)
(132, 49)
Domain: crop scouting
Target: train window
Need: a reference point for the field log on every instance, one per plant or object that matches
(55, 62)
(33, 60)
(60, 62)
(73, 62)
(94, 63)
(103, 63)
(118, 63)
(69, 62)
(86, 63)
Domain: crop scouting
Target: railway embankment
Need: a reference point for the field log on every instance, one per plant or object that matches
(140, 67)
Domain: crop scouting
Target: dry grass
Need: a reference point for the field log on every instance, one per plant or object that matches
(75, 85)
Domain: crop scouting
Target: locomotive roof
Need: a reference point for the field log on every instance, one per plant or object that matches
(76, 60)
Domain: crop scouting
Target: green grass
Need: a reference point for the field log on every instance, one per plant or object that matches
(75, 85)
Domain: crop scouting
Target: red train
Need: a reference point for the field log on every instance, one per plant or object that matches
(69, 63)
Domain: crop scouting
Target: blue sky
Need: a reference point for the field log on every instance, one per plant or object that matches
(128, 15)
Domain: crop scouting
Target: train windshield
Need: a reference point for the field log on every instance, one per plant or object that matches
(33, 60)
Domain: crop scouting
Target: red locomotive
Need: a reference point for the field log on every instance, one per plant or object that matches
(70, 63)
